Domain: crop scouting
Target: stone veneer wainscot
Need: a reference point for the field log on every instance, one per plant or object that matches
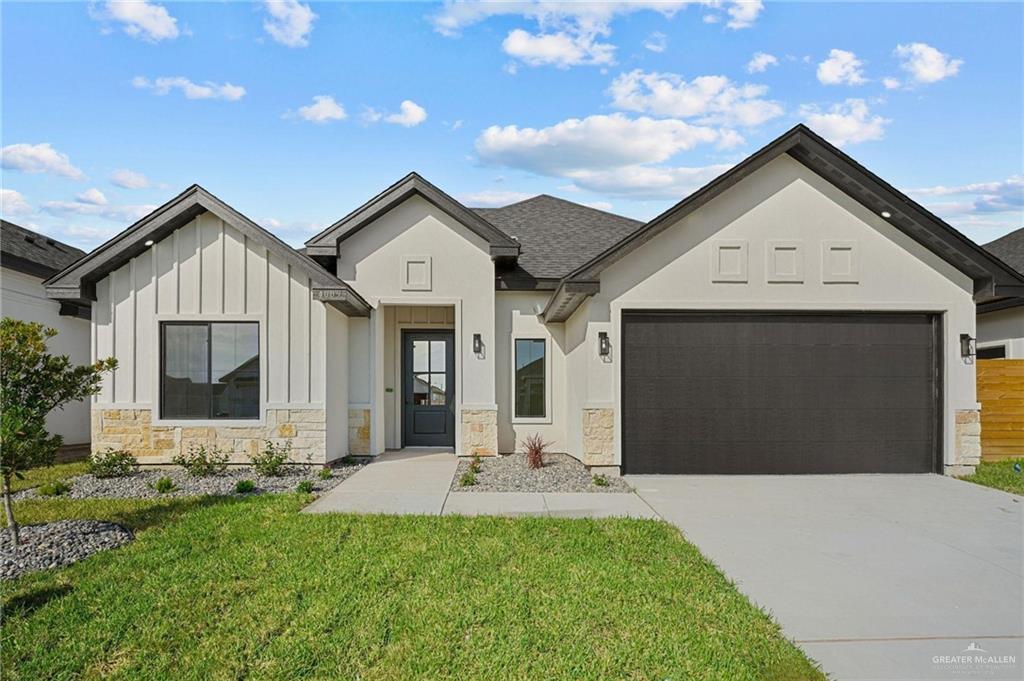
(599, 437)
(968, 442)
(479, 432)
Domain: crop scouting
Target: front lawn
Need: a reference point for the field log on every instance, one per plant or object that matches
(231, 588)
(999, 474)
(39, 476)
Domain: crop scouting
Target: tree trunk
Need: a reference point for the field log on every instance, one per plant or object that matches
(12, 524)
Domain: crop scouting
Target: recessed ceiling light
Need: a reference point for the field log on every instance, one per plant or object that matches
(149, 242)
(886, 214)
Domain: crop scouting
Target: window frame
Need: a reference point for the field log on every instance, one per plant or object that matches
(546, 418)
(209, 419)
(993, 345)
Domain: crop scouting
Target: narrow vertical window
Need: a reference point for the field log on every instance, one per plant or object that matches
(531, 378)
(210, 370)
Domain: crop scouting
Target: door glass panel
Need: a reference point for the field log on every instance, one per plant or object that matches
(420, 386)
(437, 355)
(420, 358)
(437, 389)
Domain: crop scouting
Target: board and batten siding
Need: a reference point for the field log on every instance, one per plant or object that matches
(207, 270)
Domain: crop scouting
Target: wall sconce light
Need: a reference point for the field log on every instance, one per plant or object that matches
(968, 346)
(478, 344)
(604, 346)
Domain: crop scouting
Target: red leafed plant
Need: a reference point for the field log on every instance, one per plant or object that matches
(534, 446)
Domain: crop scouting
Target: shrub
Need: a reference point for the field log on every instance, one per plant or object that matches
(468, 478)
(244, 486)
(272, 460)
(534, 446)
(164, 485)
(54, 489)
(304, 487)
(475, 465)
(112, 463)
(601, 480)
(326, 473)
(201, 462)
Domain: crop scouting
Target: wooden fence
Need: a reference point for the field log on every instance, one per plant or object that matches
(1001, 393)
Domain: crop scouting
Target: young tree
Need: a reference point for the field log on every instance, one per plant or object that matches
(32, 384)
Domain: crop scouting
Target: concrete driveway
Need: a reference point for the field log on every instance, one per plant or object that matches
(875, 576)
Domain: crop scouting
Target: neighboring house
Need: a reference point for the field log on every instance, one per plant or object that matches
(1001, 322)
(795, 315)
(27, 259)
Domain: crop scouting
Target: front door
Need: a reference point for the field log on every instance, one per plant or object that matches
(428, 389)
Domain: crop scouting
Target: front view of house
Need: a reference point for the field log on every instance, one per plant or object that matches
(796, 315)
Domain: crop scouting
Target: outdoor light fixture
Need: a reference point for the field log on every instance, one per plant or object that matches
(968, 346)
(886, 214)
(604, 346)
(478, 344)
(149, 242)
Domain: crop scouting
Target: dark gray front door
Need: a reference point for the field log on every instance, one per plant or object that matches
(780, 393)
(428, 388)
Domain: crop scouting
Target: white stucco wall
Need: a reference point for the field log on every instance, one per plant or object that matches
(1003, 327)
(516, 317)
(782, 201)
(207, 270)
(23, 297)
(462, 277)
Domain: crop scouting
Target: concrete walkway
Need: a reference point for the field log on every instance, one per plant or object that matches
(417, 481)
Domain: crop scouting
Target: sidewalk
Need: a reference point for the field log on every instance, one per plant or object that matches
(418, 482)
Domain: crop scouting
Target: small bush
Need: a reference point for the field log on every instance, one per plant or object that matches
(164, 485)
(534, 446)
(304, 487)
(201, 462)
(272, 460)
(54, 489)
(244, 486)
(475, 465)
(112, 463)
(468, 479)
(325, 473)
(601, 480)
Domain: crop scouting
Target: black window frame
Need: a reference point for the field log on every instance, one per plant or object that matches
(515, 379)
(991, 352)
(209, 370)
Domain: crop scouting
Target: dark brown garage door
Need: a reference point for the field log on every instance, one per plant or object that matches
(779, 393)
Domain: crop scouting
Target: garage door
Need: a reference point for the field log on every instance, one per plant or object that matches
(779, 393)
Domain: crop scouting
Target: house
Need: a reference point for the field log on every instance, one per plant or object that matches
(795, 315)
(1001, 321)
(27, 259)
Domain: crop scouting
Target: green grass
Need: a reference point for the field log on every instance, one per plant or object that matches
(230, 588)
(40, 476)
(999, 474)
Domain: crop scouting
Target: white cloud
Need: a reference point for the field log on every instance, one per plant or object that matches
(129, 179)
(841, 67)
(988, 197)
(139, 19)
(323, 110)
(557, 49)
(599, 205)
(492, 197)
(410, 114)
(208, 90)
(715, 99)
(743, 13)
(847, 123)
(595, 142)
(647, 182)
(761, 61)
(13, 203)
(107, 212)
(656, 42)
(891, 83)
(925, 64)
(456, 125)
(92, 196)
(289, 22)
(295, 232)
(38, 158)
(371, 115)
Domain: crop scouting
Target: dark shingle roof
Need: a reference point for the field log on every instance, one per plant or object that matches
(556, 235)
(1009, 249)
(33, 253)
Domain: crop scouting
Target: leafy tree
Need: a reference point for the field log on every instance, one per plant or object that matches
(32, 384)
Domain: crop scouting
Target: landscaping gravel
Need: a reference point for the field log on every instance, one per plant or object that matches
(140, 484)
(56, 544)
(509, 473)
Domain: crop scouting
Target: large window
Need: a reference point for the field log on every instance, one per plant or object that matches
(531, 379)
(210, 370)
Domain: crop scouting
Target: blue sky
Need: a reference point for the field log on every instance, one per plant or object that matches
(295, 113)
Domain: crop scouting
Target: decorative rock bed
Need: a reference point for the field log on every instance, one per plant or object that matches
(509, 473)
(56, 544)
(141, 483)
